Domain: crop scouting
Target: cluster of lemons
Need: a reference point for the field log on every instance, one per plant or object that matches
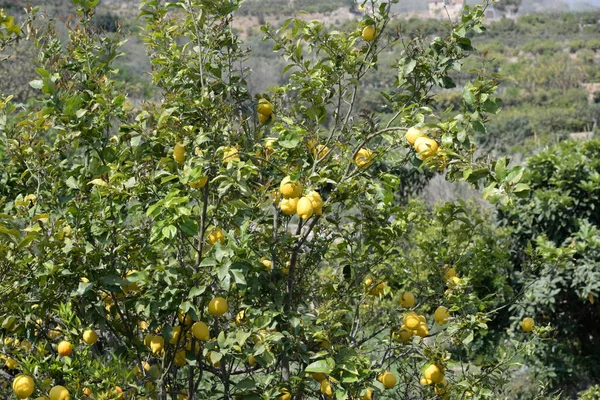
(425, 146)
(293, 202)
(24, 385)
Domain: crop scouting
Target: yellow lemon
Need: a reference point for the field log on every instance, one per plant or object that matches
(289, 189)
(367, 395)
(230, 154)
(216, 235)
(183, 318)
(422, 330)
(65, 348)
(251, 360)
(363, 158)
(264, 107)
(285, 394)
(434, 373)
(289, 206)
(304, 208)
(407, 300)
(268, 264)
(87, 392)
(449, 274)
(157, 344)
(316, 201)
(23, 386)
(199, 183)
(411, 320)
(426, 147)
(175, 334)
(240, 318)
(11, 363)
(326, 388)
(320, 151)
(413, 134)
(90, 336)
(368, 33)
(179, 153)
(527, 324)
(180, 359)
(440, 315)
(387, 379)
(263, 119)
(218, 306)
(318, 376)
(403, 335)
(59, 393)
(200, 331)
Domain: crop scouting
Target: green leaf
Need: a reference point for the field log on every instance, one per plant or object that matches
(321, 366)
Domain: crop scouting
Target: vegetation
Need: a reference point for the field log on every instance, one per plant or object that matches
(178, 226)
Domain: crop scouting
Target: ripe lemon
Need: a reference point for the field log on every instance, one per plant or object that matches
(183, 318)
(440, 315)
(268, 264)
(304, 208)
(387, 379)
(403, 335)
(11, 363)
(264, 119)
(199, 183)
(240, 318)
(289, 206)
(285, 394)
(23, 386)
(434, 373)
(180, 359)
(65, 348)
(317, 376)
(426, 147)
(200, 331)
(320, 151)
(90, 336)
(411, 320)
(527, 324)
(218, 306)
(407, 300)
(264, 107)
(316, 201)
(289, 189)
(379, 289)
(59, 393)
(157, 344)
(363, 158)
(413, 134)
(179, 153)
(449, 274)
(367, 395)
(230, 154)
(251, 360)
(422, 330)
(368, 33)
(215, 235)
(326, 388)
(175, 334)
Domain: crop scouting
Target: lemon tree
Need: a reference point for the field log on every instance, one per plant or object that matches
(217, 243)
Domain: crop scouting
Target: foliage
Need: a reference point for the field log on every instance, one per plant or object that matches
(556, 242)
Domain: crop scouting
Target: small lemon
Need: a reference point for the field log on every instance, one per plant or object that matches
(426, 147)
(289, 189)
(179, 153)
(289, 206)
(363, 158)
(218, 306)
(407, 300)
(527, 324)
(59, 393)
(304, 208)
(23, 386)
(264, 107)
(90, 336)
(440, 315)
(200, 331)
(368, 33)
(413, 134)
(434, 373)
(387, 379)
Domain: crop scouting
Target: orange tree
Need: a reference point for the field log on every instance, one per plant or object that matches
(215, 243)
